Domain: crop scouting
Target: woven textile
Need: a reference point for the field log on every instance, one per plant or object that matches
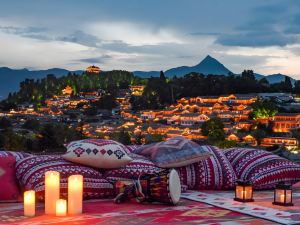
(174, 152)
(263, 169)
(18, 155)
(138, 166)
(214, 173)
(98, 153)
(9, 187)
(30, 173)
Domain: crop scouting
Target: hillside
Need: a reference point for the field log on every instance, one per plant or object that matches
(11, 78)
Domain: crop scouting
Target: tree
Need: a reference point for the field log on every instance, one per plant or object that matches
(13, 141)
(263, 109)
(258, 134)
(214, 129)
(2, 140)
(53, 136)
(121, 136)
(297, 87)
(296, 134)
(227, 144)
(5, 123)
(152, 138)
(287, 84)
(32, 124)
(106, 102)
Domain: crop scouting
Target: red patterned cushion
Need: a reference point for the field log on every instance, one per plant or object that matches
(9, 188)
(18, 155)
(131, 148)
(138, 166)
(174, 152)
(30, 172)
(262, 168)
(98, 153)
(214, 173)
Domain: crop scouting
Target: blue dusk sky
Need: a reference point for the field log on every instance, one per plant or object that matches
(151, 35)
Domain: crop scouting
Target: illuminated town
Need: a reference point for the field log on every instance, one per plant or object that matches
(185, 117)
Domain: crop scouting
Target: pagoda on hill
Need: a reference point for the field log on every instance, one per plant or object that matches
(68, 90)
(93, 69)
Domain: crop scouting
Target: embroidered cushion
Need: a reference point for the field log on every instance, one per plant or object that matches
(97, 153)
(18, 155)
(214, 173)
(30, 173)
(9, 187)
(138, 166)
(174, 152)
(263, 169)
(131, 148)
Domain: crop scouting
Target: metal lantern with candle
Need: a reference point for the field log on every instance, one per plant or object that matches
(244, 192)
(283, 195)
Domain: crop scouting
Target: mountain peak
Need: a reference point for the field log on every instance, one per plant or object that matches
(208, 65)
(208, 57)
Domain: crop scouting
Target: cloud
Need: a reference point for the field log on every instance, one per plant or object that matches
(82, 38)
(257, 39)
(270, 25)
(134, 34)
(96, 60)
(30, 32)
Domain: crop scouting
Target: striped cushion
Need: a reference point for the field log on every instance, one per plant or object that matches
(214, 173)
(18, 155)
(138, 166)
(174, 152)
(30, 173)
(262, 168)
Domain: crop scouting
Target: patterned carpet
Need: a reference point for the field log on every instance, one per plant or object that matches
(261, 208)
(105, 212)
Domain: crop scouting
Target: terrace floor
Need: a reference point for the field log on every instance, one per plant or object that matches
(220, 210)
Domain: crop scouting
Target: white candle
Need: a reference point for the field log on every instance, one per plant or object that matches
(75, 189)
(282, 198)
(51, 191)
(29, 203)
(61, 207)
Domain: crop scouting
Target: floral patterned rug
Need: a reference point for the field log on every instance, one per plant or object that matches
(105, 212)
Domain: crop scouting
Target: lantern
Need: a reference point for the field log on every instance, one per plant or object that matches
(283, 195)
(244, 192)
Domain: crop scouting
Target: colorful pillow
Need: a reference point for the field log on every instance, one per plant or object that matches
(174, 152)
(263, 169)
(138, 166)
(18, 155)
(131, 148)
(214, 173)
(98, 153)
(30, 173)
(9, 187)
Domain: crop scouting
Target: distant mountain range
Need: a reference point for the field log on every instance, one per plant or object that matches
(209, 65)
(10, 78)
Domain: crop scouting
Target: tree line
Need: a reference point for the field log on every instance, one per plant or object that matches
(162, 91)
(37, 91)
